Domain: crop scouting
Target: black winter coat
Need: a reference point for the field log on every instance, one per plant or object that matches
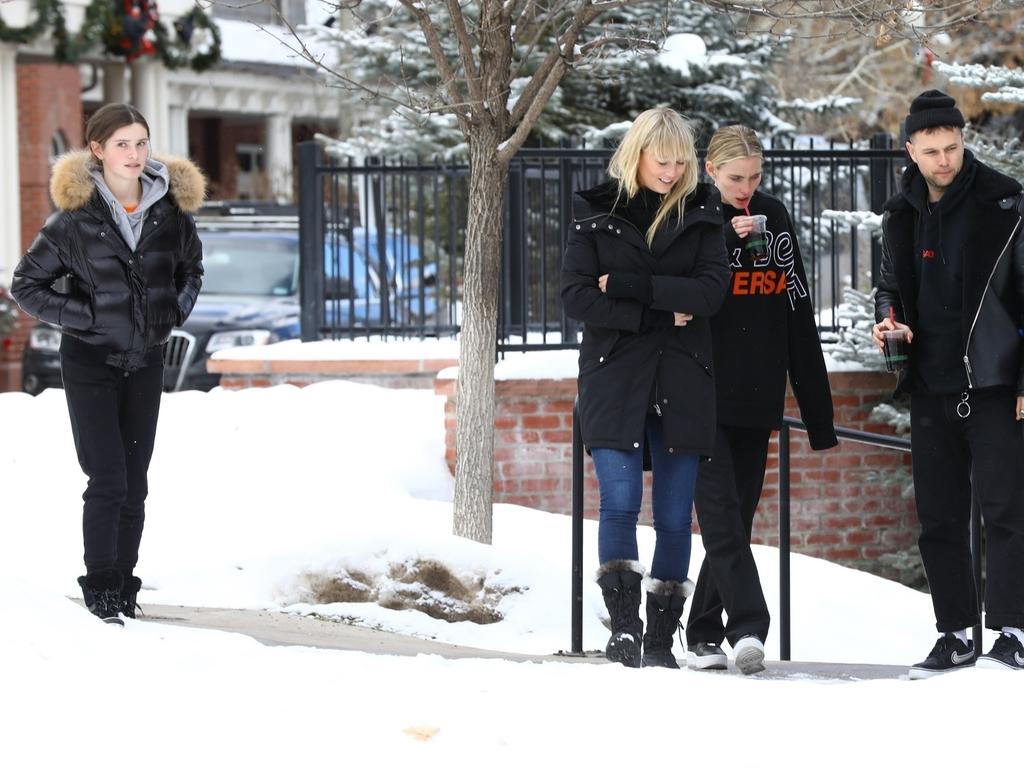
(993, 279)
(621, 362)
(122, 301)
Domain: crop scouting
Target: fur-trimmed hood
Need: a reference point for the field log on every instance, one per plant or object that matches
(72, 186)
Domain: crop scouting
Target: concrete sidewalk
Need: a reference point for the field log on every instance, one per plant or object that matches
(272, 628)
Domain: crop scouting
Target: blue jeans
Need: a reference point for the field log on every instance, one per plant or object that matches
(620, 478)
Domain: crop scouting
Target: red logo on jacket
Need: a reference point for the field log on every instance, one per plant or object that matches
(927, 254)
(757, 282)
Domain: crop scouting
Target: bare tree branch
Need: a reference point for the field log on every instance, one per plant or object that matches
(466, 49)
(448, 78)
(559, 54)
(300, 48)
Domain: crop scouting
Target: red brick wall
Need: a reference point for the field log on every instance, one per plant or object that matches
(48, 100)
(847, 504)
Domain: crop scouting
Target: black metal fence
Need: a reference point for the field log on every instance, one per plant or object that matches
(382, 241)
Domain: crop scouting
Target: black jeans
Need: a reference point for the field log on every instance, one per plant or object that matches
(952, 455)
(728, 490)
(113, 420)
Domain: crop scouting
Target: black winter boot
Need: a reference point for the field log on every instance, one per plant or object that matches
(665, 601)
(620, 585)
(102, 593)
(130, 587)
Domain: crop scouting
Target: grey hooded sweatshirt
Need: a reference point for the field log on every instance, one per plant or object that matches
(155, 183)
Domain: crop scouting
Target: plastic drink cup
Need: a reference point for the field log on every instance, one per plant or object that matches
(895, 350)
(757, 245)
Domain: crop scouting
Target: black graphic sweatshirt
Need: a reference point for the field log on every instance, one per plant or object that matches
(766, 329)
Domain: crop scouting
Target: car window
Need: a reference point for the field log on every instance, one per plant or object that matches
(267, 265)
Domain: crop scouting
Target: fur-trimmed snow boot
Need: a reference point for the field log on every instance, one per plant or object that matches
(130, 587)
(102, 593)
(665, 602)
(620, 582)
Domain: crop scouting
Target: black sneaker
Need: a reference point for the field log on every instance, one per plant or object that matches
(1007, 653)
(706, 656)
(948, 654)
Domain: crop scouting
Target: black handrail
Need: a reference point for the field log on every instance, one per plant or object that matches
(789, 423)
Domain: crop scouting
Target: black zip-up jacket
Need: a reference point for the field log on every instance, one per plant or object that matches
(623, 358)
(122, 301)
(993, 283)
(766, 329)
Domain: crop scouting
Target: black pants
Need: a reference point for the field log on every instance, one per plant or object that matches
(113, 420)
(728, 490)
(947, 451)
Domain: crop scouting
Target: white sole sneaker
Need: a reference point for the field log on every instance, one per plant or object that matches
(749, 653)
(707, 661)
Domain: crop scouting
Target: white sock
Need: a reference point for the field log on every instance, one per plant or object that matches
(961, 635)
(1016, 632)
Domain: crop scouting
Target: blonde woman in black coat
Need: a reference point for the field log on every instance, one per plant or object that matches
(644, 269)
(765, 331)
(124, 238)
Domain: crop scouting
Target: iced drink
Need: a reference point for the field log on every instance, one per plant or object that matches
(895, 350)
(757, 245)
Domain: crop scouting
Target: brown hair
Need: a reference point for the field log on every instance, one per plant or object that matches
(110, 118)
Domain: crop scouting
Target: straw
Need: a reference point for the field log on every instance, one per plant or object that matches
(746, 209)
(892, 314)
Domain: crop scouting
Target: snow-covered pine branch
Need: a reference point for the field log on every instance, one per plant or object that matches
(980, 75)
(863, 220)
(852, 346)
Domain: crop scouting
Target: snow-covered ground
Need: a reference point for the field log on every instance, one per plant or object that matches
(270, 498)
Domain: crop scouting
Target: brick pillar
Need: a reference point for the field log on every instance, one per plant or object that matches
(49, 101)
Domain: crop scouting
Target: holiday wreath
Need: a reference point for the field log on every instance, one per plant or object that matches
(127, 28)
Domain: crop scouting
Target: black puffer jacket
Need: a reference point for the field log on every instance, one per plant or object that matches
(122, 301)
(993, 280)
(622, 359)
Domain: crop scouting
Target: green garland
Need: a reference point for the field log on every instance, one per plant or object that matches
(102, 17)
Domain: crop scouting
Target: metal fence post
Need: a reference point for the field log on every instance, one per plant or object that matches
(513, 298)
(576, 646)
(784, 585)
(881, 185)
(311, 243)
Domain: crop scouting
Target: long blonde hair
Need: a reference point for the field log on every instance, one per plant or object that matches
(667, 134)
(731, 143)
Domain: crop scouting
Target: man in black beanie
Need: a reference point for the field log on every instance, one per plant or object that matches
(952, 278)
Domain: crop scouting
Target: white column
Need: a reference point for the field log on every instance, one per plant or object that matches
(278, 157)
(115, 84)
(149, 96)
(10, 180)
(177, 139)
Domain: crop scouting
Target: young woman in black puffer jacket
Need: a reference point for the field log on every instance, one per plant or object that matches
(125, 241)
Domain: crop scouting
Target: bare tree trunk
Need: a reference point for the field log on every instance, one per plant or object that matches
(474, 407)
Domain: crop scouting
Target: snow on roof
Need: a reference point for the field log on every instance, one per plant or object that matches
(246, 41)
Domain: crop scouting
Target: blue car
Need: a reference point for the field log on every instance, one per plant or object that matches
(362, 290)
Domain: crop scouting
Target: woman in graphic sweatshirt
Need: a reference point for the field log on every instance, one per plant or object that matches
(764, 331)
(125, 241)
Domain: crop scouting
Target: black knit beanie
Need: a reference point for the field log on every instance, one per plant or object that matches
(931, 109)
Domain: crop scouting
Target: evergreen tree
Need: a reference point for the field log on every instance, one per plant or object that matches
(1002, 85)
(709, 70)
